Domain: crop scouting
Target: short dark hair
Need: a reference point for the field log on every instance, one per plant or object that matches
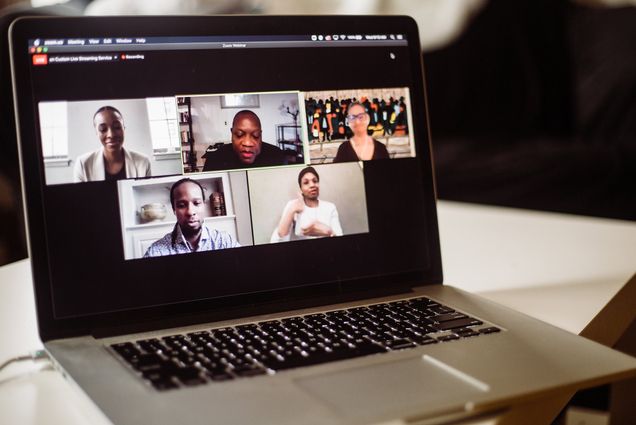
(107, 108)
(246, 112)
(179, 183)
(306, 170)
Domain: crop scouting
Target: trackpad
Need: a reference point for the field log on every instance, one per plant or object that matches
(409, 386)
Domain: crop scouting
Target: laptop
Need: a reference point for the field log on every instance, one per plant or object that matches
(233, 220)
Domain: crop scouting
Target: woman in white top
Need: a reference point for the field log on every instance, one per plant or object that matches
(112, 161)
(310, 217)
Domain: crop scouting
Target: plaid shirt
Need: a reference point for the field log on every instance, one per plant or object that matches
(175, 243)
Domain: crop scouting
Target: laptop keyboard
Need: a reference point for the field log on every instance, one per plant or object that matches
(268, 347)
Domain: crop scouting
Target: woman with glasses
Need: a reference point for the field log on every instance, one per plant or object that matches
(361, 146)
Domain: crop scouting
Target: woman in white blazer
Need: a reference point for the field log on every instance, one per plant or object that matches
(112, 161)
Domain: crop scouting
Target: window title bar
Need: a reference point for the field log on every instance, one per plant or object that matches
(40, 45)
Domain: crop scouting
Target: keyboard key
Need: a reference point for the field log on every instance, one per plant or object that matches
(144, 361)
(249, 371)
(466, 333)
(420, 303)
(423, 340)
(448, 317)
(198, 334)
(448, 337)
(441, 309)
(152, 345)
(427, 340)
(366, 347)
(127, 350)
(188, 374)
(458, 323)
(399, 344)
(249, 326)
(489, 330)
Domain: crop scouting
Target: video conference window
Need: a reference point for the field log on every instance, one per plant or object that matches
(109, 139)
(241, 130)
(177, 215)
(175, 162)
(358, 124)
(302, 203)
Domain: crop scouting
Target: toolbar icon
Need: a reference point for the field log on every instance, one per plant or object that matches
(40, 59)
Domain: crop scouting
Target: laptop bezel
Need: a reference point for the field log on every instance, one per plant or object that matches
(216, 309)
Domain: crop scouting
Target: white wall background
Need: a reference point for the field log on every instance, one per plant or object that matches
(211, 124)
(342, 184)
(82, 137)
(240, 198)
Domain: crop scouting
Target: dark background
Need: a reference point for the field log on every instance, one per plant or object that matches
(534, 106)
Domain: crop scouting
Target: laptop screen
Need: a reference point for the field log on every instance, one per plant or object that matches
(183, 168)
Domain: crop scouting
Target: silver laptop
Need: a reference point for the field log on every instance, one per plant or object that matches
(232, 220)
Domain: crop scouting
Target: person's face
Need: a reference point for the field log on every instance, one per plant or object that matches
(188, 207)
(109, 126)
(310, 186)
(247, 139)
(358, 120)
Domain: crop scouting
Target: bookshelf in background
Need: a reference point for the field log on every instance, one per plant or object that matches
(188, 154)
(139, 233)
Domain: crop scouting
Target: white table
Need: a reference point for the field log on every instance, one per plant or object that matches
(559, 268)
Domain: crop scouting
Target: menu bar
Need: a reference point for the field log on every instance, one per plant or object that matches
(44, 45)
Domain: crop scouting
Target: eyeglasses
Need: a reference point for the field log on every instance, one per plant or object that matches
(357, 117)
